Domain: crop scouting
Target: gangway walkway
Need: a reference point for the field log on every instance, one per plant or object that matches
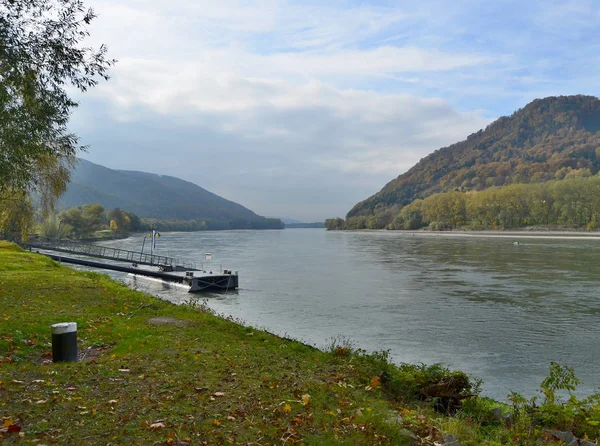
(105, 252)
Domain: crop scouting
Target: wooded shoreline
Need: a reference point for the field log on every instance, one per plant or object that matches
(566, 234)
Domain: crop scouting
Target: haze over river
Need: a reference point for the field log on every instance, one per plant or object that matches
(494, 309)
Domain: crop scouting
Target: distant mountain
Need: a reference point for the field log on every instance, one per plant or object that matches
(148, 195)
(317, 224)
(287, 220)
(545, 140)
(291, 223)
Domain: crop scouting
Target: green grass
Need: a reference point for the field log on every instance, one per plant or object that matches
(212, 380)
(207, 380)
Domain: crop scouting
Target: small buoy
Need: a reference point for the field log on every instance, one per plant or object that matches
(515, 243)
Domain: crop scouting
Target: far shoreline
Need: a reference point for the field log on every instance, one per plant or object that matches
(550, 234)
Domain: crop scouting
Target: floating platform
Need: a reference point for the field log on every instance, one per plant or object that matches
(116, 254)
(196, 283)
(192, 281)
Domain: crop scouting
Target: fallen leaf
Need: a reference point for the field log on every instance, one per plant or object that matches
(305, 399)
(216, 422)
(159, 425)
(13, 428)
(375, 381)
(113, 401)
(287, 408)
(219, 394)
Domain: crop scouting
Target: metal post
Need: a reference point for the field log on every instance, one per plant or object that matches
(143, 243)
(64, 342)
(153, 241)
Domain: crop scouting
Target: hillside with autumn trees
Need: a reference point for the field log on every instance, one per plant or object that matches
(166, 201)
(549, 139)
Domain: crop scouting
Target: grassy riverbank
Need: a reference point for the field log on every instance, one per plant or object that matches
(156, 373)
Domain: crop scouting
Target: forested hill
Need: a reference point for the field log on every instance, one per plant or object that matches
(148, 195)
(544, 141)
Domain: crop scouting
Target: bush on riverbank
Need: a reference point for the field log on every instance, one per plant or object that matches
(156, 373)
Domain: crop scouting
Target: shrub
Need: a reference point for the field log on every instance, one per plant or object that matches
(580, 416)
(436, 384)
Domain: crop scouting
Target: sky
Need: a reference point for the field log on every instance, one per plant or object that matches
(302, 109)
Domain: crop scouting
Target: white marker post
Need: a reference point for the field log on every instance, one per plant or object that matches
(64, 342)
(208, 256)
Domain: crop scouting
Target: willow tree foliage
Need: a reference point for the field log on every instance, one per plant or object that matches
(42, 53)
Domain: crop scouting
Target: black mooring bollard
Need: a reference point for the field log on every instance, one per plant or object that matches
(64, 342)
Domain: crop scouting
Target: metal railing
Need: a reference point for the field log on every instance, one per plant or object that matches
(105, 252)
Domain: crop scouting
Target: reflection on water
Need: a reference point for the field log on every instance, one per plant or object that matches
(492, 308)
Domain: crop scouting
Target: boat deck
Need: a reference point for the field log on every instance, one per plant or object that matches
(194, 280)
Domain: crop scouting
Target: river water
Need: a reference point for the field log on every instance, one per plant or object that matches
(496, 309)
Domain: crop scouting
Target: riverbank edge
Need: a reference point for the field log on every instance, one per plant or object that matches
(512, 233)
(346, 386)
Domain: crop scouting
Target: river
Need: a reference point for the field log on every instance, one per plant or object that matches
(498, 310)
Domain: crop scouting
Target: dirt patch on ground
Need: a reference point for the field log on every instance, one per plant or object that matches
(91, 354)
(169, 321)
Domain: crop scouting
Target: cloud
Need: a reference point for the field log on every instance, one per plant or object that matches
(303, 109)
(264, 142)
